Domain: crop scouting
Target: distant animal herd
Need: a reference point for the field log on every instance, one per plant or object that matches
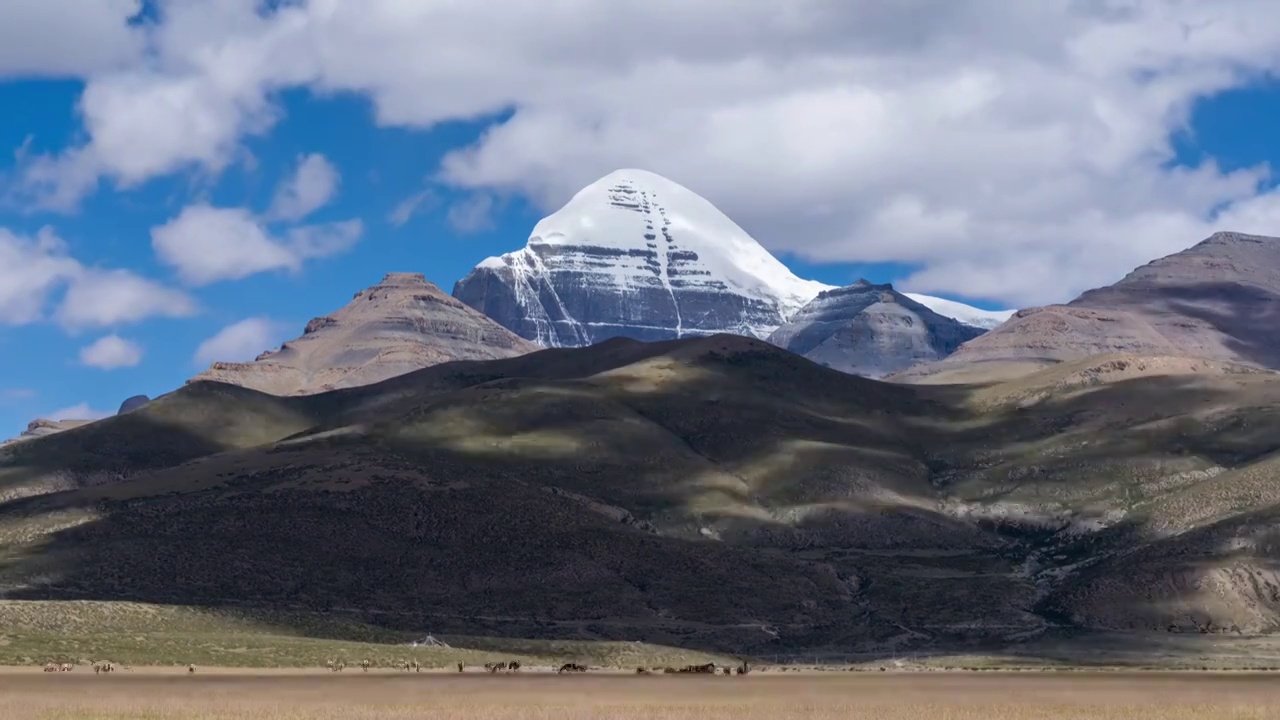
(490, 667)
(98, 667)
(571, 667)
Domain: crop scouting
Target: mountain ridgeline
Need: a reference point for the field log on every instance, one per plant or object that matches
(870, 330)
(414, 463)
(1219, 299)
(637, 255)
(631, 255)
(715, 493)
(402, 324)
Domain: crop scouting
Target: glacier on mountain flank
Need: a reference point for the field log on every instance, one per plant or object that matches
(637, 255)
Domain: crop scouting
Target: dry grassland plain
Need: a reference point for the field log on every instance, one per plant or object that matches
(172, 694)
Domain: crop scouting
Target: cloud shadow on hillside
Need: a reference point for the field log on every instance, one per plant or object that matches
(457, 542)
(1249, 321)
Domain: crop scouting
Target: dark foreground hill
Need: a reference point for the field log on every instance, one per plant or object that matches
(717, 493)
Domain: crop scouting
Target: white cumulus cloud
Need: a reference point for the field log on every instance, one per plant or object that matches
(473, 214)
(91, 37)
(110, 352)
(102, 298)
(312, 185)
(1015, 151)
(207, 244)
(33, 269)
(241, 341)
(416, 203)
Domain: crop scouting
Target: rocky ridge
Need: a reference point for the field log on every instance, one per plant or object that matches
(871, 330)
(402, 324)
(1219, 299)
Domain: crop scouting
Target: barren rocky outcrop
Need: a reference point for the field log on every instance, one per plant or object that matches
(871, 330)
(402, 324)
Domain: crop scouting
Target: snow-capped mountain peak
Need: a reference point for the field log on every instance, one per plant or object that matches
(632, 209)
(967, 314)
(639, 255)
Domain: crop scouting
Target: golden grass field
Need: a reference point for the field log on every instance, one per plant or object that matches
(165, 694)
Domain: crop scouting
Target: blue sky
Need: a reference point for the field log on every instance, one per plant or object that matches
(927, 182)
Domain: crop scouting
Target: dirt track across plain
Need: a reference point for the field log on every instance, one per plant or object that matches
(821, 696)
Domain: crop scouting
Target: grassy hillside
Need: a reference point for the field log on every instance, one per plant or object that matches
(140, 634)
(718, 495)
(196, 421)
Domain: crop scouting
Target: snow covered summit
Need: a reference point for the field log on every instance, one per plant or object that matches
(637, 255)
(967, 314)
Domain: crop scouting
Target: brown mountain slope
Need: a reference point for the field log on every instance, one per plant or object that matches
(717, 493)
(402, 324)
(1219, 299)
